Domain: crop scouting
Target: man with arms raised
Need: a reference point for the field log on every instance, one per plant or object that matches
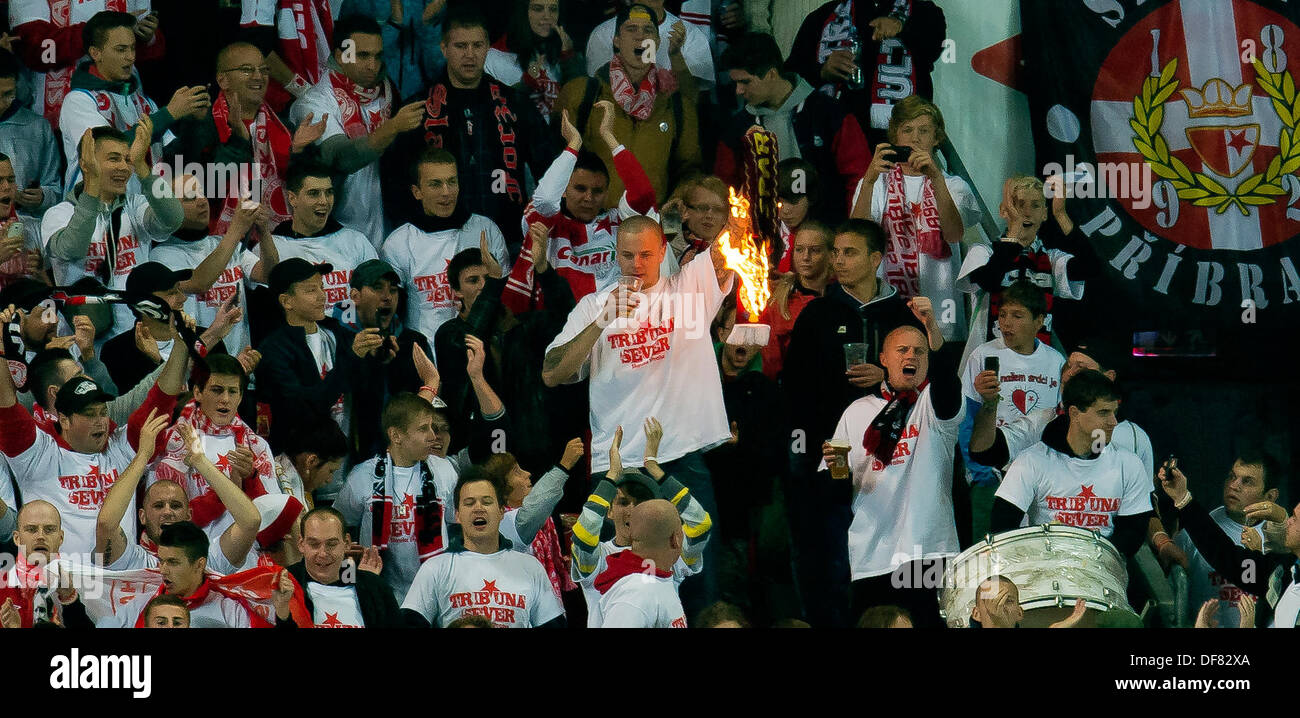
(482, 575)
(645, 351)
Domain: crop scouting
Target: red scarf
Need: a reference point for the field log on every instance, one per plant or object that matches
(639, 101)
(886, 429)
(208, 507)
(204, 592)
(59, 82)
(356, 120)
(546, 549)
(28, 587)
(622, 564)
(301, 53)
(910, 234)
(272, 143)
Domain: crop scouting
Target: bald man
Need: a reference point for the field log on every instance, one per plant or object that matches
(647, 351)
(26, 596)
(902, 437)
(637, 589)
(997, 604)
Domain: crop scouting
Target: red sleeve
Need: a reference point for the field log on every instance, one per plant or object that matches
(17, 430)
(724, 165)
(852, 156)
(157, 399)
(640, 193)
(520, 288)
(33, 47)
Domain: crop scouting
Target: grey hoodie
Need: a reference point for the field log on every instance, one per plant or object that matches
(781, 120)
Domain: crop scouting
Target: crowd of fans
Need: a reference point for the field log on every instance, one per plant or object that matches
(418, 314)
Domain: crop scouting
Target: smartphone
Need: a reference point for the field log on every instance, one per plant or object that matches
(1170, 462)
(991, 364)
(901, 154)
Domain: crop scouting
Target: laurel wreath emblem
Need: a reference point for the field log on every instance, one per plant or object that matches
(1258, 189)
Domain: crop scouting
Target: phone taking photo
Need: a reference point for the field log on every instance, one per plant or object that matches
(991, 364)
(901, 154)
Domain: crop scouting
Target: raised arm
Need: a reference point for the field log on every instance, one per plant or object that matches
(696, 522)
(586, 532)
(546, 493)
(110, 539)
(210, 269)
(237, 540)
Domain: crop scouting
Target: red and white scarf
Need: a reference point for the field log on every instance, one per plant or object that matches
(911, 231)
(272, 143)
(207, 506)
(59, 82)
(356, 120)
(31, 589)
(639, 101)
(546, 549)
(304, 29)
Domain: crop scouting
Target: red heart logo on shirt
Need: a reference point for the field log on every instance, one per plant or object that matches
(1025, 401)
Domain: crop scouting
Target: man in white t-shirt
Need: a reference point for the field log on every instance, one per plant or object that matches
(1075, 477)
(220, 265)
(313, 234)
(422, 249)
(923, 209)
(1029, 379)
(902, 438)
(696, 50)
(357, 99)
(482, 576)
(646, 352)
(636, 590)
(617, 494)
(399, 502)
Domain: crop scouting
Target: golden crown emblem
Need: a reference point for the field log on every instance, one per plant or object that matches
(1218, 99)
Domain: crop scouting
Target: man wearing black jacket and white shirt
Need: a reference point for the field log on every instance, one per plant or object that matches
(1075, 477)
(902, 438)
(479, 574)
(338, 595)
(856, 308)
(1272, 576)
(311, 360)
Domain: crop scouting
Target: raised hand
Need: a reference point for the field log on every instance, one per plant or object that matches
(194, 455)
(89, 163)
(1208, 615)
(881, 162)
(366, 342)
(654, 433)
(475, 355)
(1246, 606)
(146, 26)
(676, 38)
(425, 368)
(140, 146)
(144, 342)
(607, 113)
(572, 135)
(1266, 511)
(189, 102)
(573, 451)
(249, 358)
(371, 561)
(282, 594)
(241, 463)
(1072, 620)
(616, 458)
(1173, 482)
(9, 616)
(539, 234)
(153, 426)
(308, 132)
(235, 118)
(987, 386)
(883, 28)
(493, 266)
(409, 117)
(924, 163)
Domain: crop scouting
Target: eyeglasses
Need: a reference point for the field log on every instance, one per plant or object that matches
(248, 70)
(708, 208)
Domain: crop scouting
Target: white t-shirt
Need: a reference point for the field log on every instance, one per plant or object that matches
(508, 587)
(402, 560)
(681, 571)
(216, 611)
(139, 230)
(136, 556)
(1203, 582)
(75, 484)
(178, 254)
(421, 260)
(358, 204)
(1130, 437)
(937, 276)
(1028, 382)
(343, 248)
(642, 601)
(334, 606)
(1050, 486)
(648, 365)
(901, 512)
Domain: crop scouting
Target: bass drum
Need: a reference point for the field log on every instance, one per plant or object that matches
(1052, 565)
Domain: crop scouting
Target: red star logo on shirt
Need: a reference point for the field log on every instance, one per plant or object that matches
(1238, 141)
(490, 586)
(409, 502)
(332, 619)
(223, 464)
(1085, 492)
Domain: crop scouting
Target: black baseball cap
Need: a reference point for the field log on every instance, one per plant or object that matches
(153, 277)
(79, 393)
(632, 476)
(24, 293)
(1106, 353)
(369, 272)
(295, 269)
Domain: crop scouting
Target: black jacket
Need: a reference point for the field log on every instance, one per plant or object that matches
(547, 417)
(128, 366)
(395, 377)
(288, 378)
(813, 375)
(378, 607)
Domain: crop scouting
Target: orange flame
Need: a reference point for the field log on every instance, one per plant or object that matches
(746, 254)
